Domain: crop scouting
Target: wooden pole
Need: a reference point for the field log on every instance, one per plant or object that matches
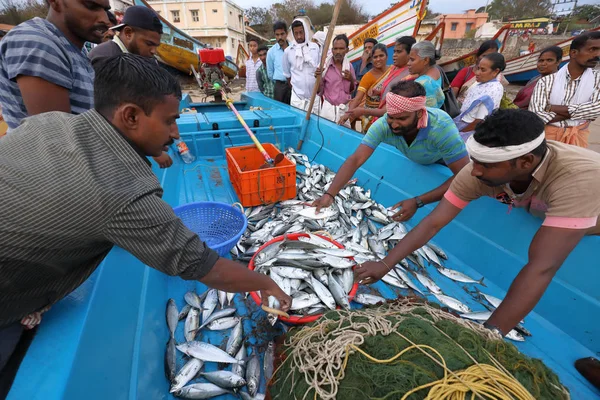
(328, 38)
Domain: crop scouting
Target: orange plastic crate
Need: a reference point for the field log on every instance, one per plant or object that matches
(255, 185)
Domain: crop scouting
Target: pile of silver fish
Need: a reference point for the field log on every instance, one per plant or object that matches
(317, 274)
(200, 313)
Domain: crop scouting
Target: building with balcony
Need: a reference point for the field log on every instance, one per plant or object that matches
(218, 23)
(458, 25)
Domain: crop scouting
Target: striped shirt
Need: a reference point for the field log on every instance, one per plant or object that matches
(440, 140)
(72, 188)
(38, 48)
(251, 68)
(586, 111)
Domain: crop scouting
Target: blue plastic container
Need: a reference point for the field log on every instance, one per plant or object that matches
(219, 225)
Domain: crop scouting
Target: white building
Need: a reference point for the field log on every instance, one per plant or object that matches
(218, 23)
(118, 7)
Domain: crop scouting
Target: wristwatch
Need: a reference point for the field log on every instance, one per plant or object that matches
(548, 108)
(419, 202)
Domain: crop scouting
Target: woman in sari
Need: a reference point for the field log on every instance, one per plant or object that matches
(421, 62)
(547, 64)
(484, 96)
(398, 71)
(369, 89)
(466, 76)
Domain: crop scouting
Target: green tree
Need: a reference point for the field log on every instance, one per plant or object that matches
(519, 9)
(587, 12)
(261, 20)
(14, 12)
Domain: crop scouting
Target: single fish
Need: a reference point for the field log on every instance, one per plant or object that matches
(323, 293)
(186, 374)
(225, 379)
(392, 279)
(311, 212)
(240, 368)
(171, 359)
(230, 297)
(494, 301)
(477, 316)
(336, 252)
(404, 276)
(192, 299)
(452, 303)
(226, 312)
(223, 323)
(184, 312)
(291, 272)
(191, 324)
(438, 251)
(253, 375)
(210, 303)
(206, 352)
(235, 340)
(458, 276)
(367, 299)
(172, 316)
(340, 296)
(222, 298)
(201, 391)
(514, 335)
(428, 283)
(304, 300)
(269, 361)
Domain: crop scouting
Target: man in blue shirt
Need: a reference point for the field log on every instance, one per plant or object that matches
(424, 135)
(43, 65)
(283, 90)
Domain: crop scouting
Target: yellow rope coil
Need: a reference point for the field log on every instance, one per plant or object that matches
(482, 380)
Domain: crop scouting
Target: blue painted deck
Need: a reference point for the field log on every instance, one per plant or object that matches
(107, 339)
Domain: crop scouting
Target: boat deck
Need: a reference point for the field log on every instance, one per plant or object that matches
(107, 339)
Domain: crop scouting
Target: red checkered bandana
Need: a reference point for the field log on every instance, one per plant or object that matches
(397, 104)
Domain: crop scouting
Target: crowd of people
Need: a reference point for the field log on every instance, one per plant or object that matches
(349, 94)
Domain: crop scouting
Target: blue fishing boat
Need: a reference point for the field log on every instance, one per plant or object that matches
(107, 339)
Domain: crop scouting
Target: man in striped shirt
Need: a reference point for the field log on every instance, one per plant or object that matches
(266, 85)
(424, 135)
(43, 65)
(569, 100)
(74, 186)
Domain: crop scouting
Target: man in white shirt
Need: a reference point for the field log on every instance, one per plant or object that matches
(252, 65)
(300, 61)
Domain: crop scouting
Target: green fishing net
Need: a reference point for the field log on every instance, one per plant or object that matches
(317, 351)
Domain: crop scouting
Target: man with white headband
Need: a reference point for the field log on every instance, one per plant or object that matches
(424, 135)
(513, 163)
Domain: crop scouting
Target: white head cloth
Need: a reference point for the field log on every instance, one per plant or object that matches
(486, 154)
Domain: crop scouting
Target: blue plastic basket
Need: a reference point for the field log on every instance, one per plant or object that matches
(219, 225)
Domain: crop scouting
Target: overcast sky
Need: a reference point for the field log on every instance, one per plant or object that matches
(376, 6)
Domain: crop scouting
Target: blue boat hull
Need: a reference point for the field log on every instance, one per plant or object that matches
(107, 339)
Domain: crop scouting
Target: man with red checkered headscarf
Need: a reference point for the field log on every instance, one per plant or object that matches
(424, 135)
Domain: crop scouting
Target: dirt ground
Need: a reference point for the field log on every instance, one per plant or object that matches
(237, 88)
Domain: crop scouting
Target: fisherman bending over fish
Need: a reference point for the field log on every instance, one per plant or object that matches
(512, 162)
(74, 186)
(424, 135)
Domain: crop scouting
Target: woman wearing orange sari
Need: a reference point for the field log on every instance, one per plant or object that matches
(369, 89)
(398, 71)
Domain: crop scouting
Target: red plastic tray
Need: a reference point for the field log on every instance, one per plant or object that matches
(294, 320)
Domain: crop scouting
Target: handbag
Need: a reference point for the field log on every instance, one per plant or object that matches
(450, 105)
